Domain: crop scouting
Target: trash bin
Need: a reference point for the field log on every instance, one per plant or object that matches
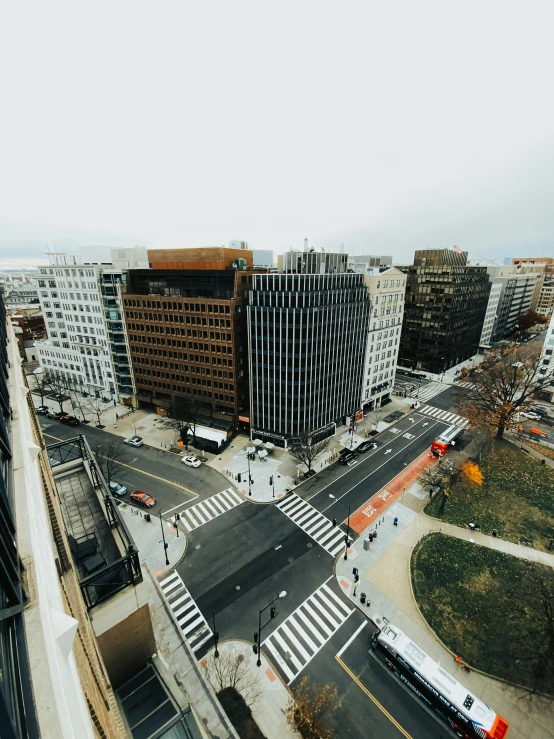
(147, 517)
(362, 597)
(374, 534)
(366, 544)
(371, 537)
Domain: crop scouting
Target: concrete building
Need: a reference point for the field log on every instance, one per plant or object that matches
(490, 315)
(446, 303)
(534, 262)
(312, 262)
(516, 293)
(368, 265)
(86, 345)
(386, 292)
(19, 288)
(186, 326)
(54, 680)
(307, 337)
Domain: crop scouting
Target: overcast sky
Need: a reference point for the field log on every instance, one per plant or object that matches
(386, 126)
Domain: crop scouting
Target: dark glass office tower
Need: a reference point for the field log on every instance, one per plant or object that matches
(307, 339)
(445, 305)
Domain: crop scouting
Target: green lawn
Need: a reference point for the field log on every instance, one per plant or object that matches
(516, 498)
(488, 607)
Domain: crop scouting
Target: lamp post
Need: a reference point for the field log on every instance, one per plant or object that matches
(257, 648)
(163, 537)
(216, 635)
(347, 537)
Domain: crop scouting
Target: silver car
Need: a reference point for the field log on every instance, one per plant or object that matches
(117, 489)
(134, 441)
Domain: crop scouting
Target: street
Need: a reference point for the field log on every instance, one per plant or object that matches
(242, 555)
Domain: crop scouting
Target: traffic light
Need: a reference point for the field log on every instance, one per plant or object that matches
(334, 522)
(271, 480)
(255, 645)
(356, 578)
(251, 481)
(273, 612)
(239, 477)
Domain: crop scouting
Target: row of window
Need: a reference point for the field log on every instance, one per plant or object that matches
(181, 307)
(197, 391)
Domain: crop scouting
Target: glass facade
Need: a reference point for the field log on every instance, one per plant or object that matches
(307, 340)
(445, 307)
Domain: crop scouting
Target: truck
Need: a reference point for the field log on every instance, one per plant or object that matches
(449, 438)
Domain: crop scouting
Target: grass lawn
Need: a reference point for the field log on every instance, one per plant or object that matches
(488, 607)
(516, 498)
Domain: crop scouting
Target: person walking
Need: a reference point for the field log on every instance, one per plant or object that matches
(395, 522)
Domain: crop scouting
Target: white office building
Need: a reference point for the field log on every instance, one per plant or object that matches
(386, 292)
(79, 295)
(491, 314)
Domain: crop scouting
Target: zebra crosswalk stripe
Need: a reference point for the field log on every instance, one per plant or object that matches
(314, 523)
(305, 632)
(210, 508)
(187, 614)
(442, 415)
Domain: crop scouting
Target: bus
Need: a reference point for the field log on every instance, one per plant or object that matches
(443, 442)
(468, 716)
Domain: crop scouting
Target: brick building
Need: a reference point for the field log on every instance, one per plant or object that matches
(186, 324)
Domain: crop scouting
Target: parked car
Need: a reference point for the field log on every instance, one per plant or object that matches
(143, 498)
(117, 489)
(191, 461)
(532, 416)
(55, 415)
(365, 446)
(346, 458)
(134, 441)
(42, 410)
(70, 421)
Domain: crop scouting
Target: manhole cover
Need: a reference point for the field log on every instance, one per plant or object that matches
(197, 546)
(310, 545)
(291, 559)
(237, 587)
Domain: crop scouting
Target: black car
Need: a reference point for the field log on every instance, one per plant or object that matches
(347, 457)
(42, 410)
(365, 446)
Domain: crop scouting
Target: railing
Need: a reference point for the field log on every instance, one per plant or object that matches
(114, 576)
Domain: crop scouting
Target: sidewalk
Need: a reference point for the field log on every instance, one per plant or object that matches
(273, 698)
(288, 473)
(384, 571)
(147, 536)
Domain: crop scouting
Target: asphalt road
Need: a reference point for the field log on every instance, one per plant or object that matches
(154, 471)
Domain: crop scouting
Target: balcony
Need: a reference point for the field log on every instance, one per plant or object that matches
(104, 554)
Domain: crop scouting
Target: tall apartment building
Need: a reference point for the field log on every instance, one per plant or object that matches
(186, 325)
(307, 337)
(386, 292)
(79, 295)
(446, 303)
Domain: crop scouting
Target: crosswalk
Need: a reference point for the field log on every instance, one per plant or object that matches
(304, 633)
(192, 623)
(314, 523)
(209, 508)
(426, 392)
(465, 383)
(440, 415)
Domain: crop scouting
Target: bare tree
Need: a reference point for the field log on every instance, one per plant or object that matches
(305, 452)
(179, 418)
(40, 385)
(79, 403)
(58, 387)
(231, 670)
(441, 478)
(308, 706)
(504, 384)
(109, 456)
(96, 406)
(482, 441)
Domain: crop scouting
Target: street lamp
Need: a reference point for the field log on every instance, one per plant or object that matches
(347, 537)
(257, 647)
(216, 635)
(163, 537)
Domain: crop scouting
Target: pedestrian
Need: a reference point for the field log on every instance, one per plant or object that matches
(395, 522)
(116, 417)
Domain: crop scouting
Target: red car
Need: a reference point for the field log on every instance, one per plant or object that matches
(143, 498)
(70, 420)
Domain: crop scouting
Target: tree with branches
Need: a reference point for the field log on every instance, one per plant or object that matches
(305, 452)
(79, 403)
(108, 455)
(441, 478)
(96, 406)
(308, 705)
(530, 319)
(471, 472)
(40, 385)
(231, 670)
(505, 384)
(58, 387)
(178, 417)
